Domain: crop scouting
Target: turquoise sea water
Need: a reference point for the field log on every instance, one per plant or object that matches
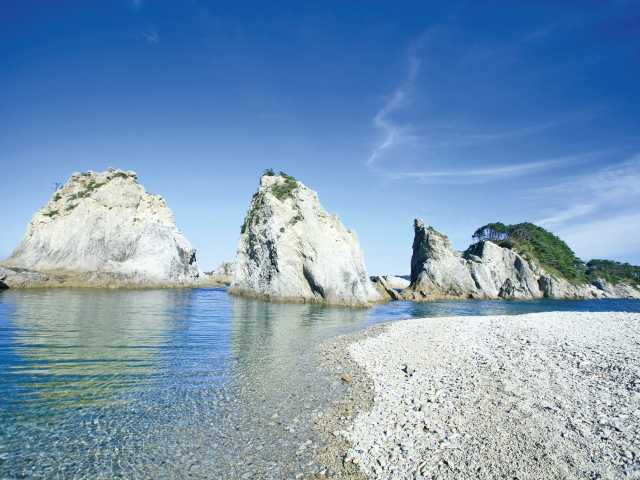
(179, 383)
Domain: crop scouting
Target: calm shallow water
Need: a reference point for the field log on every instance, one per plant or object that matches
(179, 383)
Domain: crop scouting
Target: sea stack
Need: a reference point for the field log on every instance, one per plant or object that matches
(437, 270)
(291, 249)
(488, 270)
(104, 229)
(485, 270)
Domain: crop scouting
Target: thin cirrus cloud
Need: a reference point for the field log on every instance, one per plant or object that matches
(612, 187)
(395, 134)
(392, 133)
(567, 215)
(151, 37)
(464, 176)
(436, 138)
(617, 236)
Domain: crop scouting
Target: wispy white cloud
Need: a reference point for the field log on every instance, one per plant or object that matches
(618, 236)
(393, 133)
(600, 215)
(441, 138)
(151, 37)
(464, 175)
(421, 140)
(615, 185)
(563, 216)
(617, 181)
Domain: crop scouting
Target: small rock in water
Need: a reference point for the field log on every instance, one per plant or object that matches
(346, 378)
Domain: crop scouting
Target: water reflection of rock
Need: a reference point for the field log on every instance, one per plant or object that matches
(78, 348)
(270, 340)
(277, 385)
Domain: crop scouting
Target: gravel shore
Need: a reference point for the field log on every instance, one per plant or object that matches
(546, 395)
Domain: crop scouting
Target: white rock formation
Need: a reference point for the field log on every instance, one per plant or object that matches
(396, 282)
(10, 278)
(223, 275)
(389, 286)
(620, 290)
(291, 249)
(103, 229)
(225, 269)
(437, 270)
(488, 271)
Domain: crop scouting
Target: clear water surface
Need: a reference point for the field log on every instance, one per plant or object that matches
(179, 383)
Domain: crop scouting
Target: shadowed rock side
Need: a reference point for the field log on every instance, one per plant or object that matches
(291, 249)
(102, 230)
(487, 270)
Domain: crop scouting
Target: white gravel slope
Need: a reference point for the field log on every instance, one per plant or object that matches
(547, 395)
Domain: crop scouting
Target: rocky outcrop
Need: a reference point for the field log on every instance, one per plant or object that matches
(384, 288)
(619, 290)
(395, 282)
(389, 286)
(103, 229)
(223, 275)
(487, 270)
(437, 270)
(291, 249)
(20, 278)
(225, 269)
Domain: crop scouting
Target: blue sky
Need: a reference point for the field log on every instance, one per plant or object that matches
(460, 113)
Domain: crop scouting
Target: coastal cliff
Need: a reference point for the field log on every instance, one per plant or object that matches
(102, 230)
(291, 249)
(488, 270)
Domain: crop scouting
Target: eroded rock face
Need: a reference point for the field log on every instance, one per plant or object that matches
(437, 270)
(385, 288)
(18, 278)
(620, 290)
(291, 249)
(487, 270)
(393, 281)
(104, 229)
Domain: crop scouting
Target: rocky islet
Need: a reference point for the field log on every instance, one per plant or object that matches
(102, 229)
(490, 271)
(292, 249)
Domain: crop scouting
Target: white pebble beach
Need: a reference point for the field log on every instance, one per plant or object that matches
(546, 395)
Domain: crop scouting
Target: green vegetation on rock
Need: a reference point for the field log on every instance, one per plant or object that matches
(284, 190)
(91, 186)
(613, 272)
(94, 186)
(281, 191)
(496, 231)
(536, 243)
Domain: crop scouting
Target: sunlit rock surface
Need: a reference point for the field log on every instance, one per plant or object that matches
(291, 249)
(487, 270)
(104, 229)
